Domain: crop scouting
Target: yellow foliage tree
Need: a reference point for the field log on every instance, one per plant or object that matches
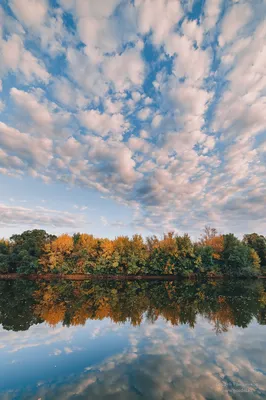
(217, 243)
(107, 248)
(168, 244)
(56, 252)
(63, 244)
(255, 259)
(88, 243)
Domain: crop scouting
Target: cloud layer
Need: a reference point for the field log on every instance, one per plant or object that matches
(159, 105)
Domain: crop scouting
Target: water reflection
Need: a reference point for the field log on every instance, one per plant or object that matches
(130, 340)
(223, 303)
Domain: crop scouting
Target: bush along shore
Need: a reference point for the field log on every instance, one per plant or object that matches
(213, 255)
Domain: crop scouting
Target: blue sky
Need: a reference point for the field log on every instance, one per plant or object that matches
(132, 116)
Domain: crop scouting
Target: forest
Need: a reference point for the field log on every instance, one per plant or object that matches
(37, 252)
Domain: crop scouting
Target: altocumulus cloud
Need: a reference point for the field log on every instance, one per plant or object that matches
(160, 105)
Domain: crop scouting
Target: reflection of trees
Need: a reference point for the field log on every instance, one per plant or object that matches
(17, 304)
(224, 303)
(223, 318)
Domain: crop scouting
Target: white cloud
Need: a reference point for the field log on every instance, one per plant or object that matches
(241, 109)
(138, 144)
(211, 13)
(187, 58)
(234, 20)
(111, 158)
(15, 57)
(144, 134)
(147, 101)
(30, 12)
(38, 112)
(161, 20)
(30, 150)
(67, 94)
(209, 143)
(113, 107)
(71, 148)
(136, 96)
(104, 124)
(193, 31)
(45, 26)
(144, 114)
(21, 216)
(85, 73)
(96, 28)
(38, 115)
(191, 100)
(125, 70)
(11, 162)
(157, 120)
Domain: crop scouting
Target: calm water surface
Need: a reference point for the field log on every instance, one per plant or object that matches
(132, 340)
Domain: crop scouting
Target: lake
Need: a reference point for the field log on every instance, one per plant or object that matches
(132, 340)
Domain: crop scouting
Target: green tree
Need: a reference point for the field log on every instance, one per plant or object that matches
(26, 249)
(4, 256)
(185, 260)
(258, 243)
(205, 253)
(238, 259)
(163, 254)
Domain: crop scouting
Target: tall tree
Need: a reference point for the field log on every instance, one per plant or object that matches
(27, 248)
(258, 243)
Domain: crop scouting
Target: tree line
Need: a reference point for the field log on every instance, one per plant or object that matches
(36, 251)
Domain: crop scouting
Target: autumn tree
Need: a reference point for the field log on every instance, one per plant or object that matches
(139, 255)
(57, 254)
(214, 240)
(86, 252)
(124, 255)
(106, 262)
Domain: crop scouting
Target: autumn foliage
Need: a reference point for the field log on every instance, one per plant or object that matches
(214, 253)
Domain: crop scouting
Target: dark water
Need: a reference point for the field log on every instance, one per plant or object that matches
(132, 340)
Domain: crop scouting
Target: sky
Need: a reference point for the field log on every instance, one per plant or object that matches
(125, 116)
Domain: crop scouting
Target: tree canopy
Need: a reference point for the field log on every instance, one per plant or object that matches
(37, 251)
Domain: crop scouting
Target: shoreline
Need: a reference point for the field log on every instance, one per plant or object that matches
(88, 277)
